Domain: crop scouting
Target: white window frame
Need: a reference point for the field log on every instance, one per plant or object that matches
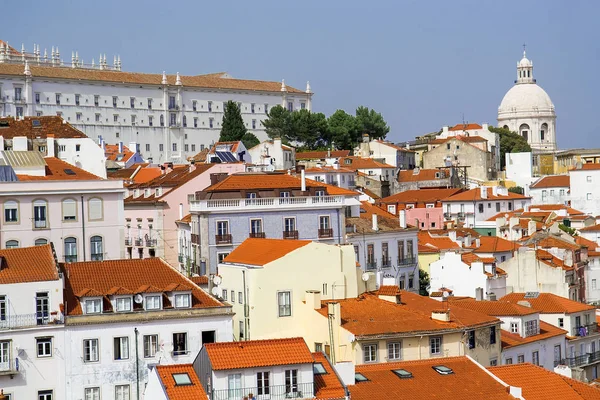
(394, 351)
(92, 393)
(150, 343)
(284, 308)
(182, 300)
(437, 344)
(94, 351)
(46, 348)
(95, 304)
(370, 351)
(121, 344)
(150, 302)
(122, 392)
(223, 222)
(123, 304)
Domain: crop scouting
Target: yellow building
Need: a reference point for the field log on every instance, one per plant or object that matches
(568, 159)
(266, 281)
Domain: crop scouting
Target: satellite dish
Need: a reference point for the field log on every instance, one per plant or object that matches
(215, 291)
(217, 280)
(445, 294)
(138, 298)
(365, 276)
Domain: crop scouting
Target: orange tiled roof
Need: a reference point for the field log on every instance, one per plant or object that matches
(147, 174)
(551, 260)
(56, 171)
(552, 241)
(186, 220)
(328, 168)
(409, 175)
(111, 151)
(592, 228)
(420, 196)
(200, 280)
(327, 386)
(554, 207)
(468, 382)
(354, 163)
(388, 290)
(194, 391)
(49, 125)
(27, 264)
(321, 155)
(254, 251)
(258, 353)
(137, 275)
(587, 167)
(552, 182)
(393, 146)
(209, 81)
(469, 258)
(547, 330)
(368, 315)
(538, 383)
(232, 146)
(370, 193)
(475, 195)
(493, 244)
(437, 242)
(465, 127)
(548, 303)
(494, 308)
(591, 245)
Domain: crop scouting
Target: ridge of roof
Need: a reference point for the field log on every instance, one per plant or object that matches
(28, 264)
(549, 303)
(259, 252)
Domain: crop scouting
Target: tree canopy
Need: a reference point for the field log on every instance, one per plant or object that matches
(232, 127)
(510, 142)
(250, 140)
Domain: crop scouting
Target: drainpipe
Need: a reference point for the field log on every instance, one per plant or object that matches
(246, 316)
(83, 226)
(137, 364)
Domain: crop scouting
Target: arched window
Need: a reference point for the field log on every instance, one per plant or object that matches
(40, 242)
(505, 127)
(524, 131)
(12, 244)
(184, 121)
(69, 210)
(162, 120)
(97, 248)
(11, 211)
(543, 131)
(95, 209)
(70, 249)
(40, 211)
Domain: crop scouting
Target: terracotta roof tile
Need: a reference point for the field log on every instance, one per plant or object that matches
(552, 182)
(173, 391)
(327, 386)
(258, 353)
(590, 244)
(469, 381)
(388, 290)
(147, 174)
(355, 163)
(200, 280)
(475, 195)
(321, 155)
(48, 125)
(493, 244)
(420, 196)
(547, 330)
(538, 383)
(27, 264)
(593, 228)
(254, 251)
(56, 170)
(548, 303)
(437, 242)
(587, 167)
(393, 146)
(551, 260)
(465, 127)
(102, 276)
(494, 308)
(200, 156)
(417, 175)
(111, 151)
(553, 241)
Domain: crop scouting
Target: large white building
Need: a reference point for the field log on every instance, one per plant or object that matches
(171, 117)
(527, 109)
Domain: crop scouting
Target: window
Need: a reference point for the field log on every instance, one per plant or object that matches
(90, 350)
(195, 123)
(210, 122)
(589, 196)
(95, 209)
(147, 147)
(70, 249)
(240, 298)
(284, 303)
(233, 296)
(394, 351)
(514, 327)
(493, 335)
(520, 358)
(241, 330)
(498, 207)
(92, 393)
(152, 302)
(210, 106)
(12, 244)
(222, 228)
(508, 361)
(78, 116)
(184, 121)
(471, 339)
(220, 258)
(435, 345)
(324, 222)
(253, 124)
(39, 214)
(234, 386)
(161, 147)
(262, 381)
(289, 224)
(531, 328)
(224, 295)
(44, 347)
(133, 120)
(97, 117)
(58, 98)
(561, 322)
(291, 381)
(150, 345)
(45, 395)
(69, 209)
(593, 284)
(535, 358)
(480, 206)
(121, 348)
(179, 343)
(162, 120)
(3, 308)
(37, 98)
(186, 147)
(588, 178)
(302, 105)
(290, 106)
(284, 195)
(123, 304)
(93, 306)
(370, 353)
(122, 392)
(96, 100)
(115, 99)
(174, 146)
(182, 300)
(256, 226)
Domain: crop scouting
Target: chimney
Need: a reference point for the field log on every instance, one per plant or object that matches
(468, 240)
(375, 226)
(492, 297)
(120, 147)
(192, 167)
(477, 242)
(277, 143)
(495, 190)
(445, 130)
(526, 208)
(524, 303)
(479, 294)
(168, 167)
(180, 211)
(483, 191)
(531, 228)
(313, 299)
(133, 147)
(515, 392)
(452, 236)
(334, 311)
(302, 181)
(49, 145)
(441, 315)
(217, 177)
(402, 217)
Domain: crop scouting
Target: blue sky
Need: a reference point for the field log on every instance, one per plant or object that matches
(422, 64)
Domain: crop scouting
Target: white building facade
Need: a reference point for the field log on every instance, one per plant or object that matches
(585, 188)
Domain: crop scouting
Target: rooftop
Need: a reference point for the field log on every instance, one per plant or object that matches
(260, 252)
(328, 385)
(39, 127)
(587, 167)
(554, 181)
(59, 170)
(475, 195)
(321, 155)
(128, 276)
(551, 260)
(419, 174)
(180, 390)
(354, 163)
(465, 127)
(547, 330)
(548, 303)
(420, 196)
(494, 308)
(27, 264)
(258, 353)
(436, 243)
(592, 228)
(111, 151)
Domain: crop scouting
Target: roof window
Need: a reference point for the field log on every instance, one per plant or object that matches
(69, 171)
(442, 370)
(182, 379)
(402, 373)
(319, 369)
(36, 123)
(358, 377)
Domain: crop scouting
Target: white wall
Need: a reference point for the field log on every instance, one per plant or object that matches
(276, 378)
(519, 169)
(555, 195)
(545, 349)
(585, 191)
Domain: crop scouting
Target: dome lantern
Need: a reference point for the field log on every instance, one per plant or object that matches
(524, 70)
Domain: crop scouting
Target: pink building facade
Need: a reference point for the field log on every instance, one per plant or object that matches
(425, 218)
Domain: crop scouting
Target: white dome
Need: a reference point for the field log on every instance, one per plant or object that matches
(526, 97)
(525, 62)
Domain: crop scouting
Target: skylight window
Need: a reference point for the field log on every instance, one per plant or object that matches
(182, 379)
(358, 377)
(442, 370)
(319, 369)
(36, 122)
(69, 171)
(402, 373)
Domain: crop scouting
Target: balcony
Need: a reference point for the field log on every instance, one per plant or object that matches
(594, 357)
(386, 262)
(173, 107)
(139, 242)
(447, 215)
(29, 320)
(40, 224)
(128, 242)
(195, 238)
(290, 234)
(180, 258)
(461, 215)
(223, 239)
(267, 203)
(273, 392)
(9, 367)
(150, 242)
(576, 361)
(257, 235)
(585, 330)
(325, 233)
(371, 263)
(407, 261)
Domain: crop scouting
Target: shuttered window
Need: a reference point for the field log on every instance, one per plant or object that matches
(95, 209)
(69, 210)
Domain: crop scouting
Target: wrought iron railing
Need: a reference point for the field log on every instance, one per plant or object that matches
(371, 263)
(150, 242)
(272, 392)
(406, 261)
(290, 234)
(326, 233)
(223, 239)
(28, 320)
(257, 235)
(585, 330)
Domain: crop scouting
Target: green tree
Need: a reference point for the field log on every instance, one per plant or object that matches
(423, 283)
(371, 122)
(567, 229)
(232, 127)
(510, 142)
(517, 190)
(343, 131)
(309, 129)
(250, 140)
(279, 123)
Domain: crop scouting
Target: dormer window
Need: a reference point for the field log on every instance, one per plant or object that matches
(123, 304)
(147, 193)
(93, 306)
(182, 300)
(153, 302)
